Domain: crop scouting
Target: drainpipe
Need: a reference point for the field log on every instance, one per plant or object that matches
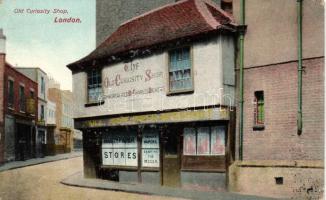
(300, 68)
(241, 62)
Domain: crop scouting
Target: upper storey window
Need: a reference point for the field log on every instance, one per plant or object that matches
(94, 85)
(180, 70)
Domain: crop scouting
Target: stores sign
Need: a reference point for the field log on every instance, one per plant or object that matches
(119, 150)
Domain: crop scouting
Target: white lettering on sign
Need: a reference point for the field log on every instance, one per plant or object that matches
(151, 158)
(150, 149)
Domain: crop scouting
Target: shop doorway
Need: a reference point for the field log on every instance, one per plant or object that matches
(171, 164)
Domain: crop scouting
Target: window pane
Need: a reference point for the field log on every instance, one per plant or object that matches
(203, 141)
(189, 141)
(119, 148)
(259, 110)
(218, 140)
(180, 69)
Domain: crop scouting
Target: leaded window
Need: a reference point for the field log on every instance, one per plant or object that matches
(94, 85)
(180, 74)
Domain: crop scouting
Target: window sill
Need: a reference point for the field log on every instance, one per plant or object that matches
(180, 92)
(99, 103)
(258, 127)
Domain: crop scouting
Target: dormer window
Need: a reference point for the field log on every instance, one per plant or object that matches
(94, 86)
(180, 70)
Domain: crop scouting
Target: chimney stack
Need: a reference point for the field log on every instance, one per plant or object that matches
(2, 42)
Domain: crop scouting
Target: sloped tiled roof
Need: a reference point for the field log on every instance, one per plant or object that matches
(177, 20)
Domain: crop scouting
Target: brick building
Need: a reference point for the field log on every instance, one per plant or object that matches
(39, 76)
(288, 162)
(20, 112)
(63, 132)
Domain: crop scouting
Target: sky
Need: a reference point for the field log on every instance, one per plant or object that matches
(35, 40)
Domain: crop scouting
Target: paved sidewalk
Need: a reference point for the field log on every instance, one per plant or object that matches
(78, 180)
(36, 161)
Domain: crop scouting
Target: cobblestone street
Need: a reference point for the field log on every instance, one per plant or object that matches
(43, 182)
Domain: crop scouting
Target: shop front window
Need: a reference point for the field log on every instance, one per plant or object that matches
(204, 141)
(120, 148)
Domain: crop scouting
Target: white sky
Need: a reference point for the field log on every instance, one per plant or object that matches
(34, 40)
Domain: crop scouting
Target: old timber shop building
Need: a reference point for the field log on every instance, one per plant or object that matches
(155, 100)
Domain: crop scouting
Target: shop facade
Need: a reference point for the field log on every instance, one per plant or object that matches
(168, 149)
(163, 114)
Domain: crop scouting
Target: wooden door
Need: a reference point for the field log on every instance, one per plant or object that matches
(171, 159)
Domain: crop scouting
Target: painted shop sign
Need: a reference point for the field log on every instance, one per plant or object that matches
(150, 149)
(120, 149)
(132, 79)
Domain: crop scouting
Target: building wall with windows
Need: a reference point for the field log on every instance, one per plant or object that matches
(143, 84)
(41, 78)
(270, 54)
(67, 109)
(155, 105)
(20, 107)
(51, 118)
(54, 95)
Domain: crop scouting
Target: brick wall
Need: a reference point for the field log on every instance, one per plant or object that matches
(279, 139)
(29, 85)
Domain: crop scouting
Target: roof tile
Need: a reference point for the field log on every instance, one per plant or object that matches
(177, 20)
